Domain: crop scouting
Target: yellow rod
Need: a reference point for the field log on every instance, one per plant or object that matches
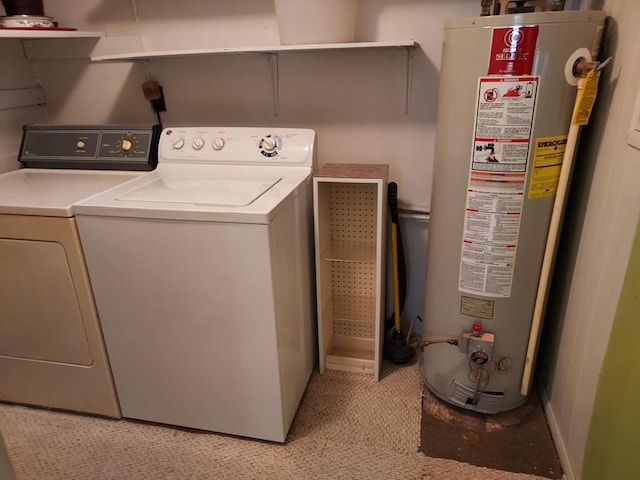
(394, 265)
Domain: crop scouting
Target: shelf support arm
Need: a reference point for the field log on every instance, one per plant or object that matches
(411, 52)
(275, 83)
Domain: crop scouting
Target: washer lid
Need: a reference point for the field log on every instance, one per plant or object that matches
(210, 193)
(34, 191)
(225, 189)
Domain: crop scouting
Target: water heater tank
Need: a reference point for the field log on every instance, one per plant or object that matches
(504, 111)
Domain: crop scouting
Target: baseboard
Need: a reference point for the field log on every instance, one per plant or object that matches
(567, 468)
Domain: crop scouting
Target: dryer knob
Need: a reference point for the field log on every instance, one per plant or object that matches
(197, 143)
(178, 143)
(268, 143)
(218, 143)
(126, 144)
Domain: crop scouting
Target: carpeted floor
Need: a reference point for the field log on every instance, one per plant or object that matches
(347, 427)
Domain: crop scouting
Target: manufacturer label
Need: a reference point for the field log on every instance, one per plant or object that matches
(513, 50)
(476, 307)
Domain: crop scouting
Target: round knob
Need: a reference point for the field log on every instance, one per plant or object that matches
(479, 357)
(269, 144)
(178, 143)
(218, 143)
(80, 144)
(197, 143)
(126, 144)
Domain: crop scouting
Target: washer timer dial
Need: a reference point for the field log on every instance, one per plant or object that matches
(270, 145)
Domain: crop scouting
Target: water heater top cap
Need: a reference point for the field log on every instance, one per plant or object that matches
(536, 18)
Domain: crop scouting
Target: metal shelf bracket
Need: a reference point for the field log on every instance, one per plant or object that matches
(275, 83)
(411, 53)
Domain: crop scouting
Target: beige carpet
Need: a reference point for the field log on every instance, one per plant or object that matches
(348, 427)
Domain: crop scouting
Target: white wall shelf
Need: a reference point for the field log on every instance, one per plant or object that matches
(106, 48)
(272, 52)
(47, 34)
(240, 50)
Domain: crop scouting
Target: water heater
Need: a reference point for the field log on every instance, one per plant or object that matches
(505, 107)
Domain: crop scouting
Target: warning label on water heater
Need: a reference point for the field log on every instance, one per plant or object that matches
(496, 188)
(504, 117)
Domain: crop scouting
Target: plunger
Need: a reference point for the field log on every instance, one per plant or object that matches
(396, 348)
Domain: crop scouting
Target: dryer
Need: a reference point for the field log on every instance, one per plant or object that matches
(202, 272)
(51, 349)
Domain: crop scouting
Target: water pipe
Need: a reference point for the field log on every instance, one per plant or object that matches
(578, 67)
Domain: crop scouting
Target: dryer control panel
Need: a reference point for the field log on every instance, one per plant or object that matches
(110, 147)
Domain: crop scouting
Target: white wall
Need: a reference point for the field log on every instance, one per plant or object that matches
(17, 73)
(601, 219)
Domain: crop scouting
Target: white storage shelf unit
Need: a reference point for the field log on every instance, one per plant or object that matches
(350, 216)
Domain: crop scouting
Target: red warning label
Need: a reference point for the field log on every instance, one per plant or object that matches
(513, 50)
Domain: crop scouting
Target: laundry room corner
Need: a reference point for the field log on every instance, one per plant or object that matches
(317, 238)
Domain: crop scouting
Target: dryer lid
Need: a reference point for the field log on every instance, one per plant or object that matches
(52, 192)
(228, 189)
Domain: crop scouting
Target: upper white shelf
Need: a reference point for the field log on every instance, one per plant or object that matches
(37, 34)
(238, 50)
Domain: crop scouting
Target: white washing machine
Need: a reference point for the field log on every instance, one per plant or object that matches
(202, 272)
(51, 349)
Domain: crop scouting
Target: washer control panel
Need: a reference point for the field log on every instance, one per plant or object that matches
(107, 147)
(238, 145)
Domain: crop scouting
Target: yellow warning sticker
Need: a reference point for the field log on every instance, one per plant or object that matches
(586, 99)
(547, 163)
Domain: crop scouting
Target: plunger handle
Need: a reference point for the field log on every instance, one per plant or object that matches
(392, 199)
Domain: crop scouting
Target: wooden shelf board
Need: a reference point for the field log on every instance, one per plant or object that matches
(350, 360)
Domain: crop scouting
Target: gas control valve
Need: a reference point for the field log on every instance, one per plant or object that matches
(478, 345)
